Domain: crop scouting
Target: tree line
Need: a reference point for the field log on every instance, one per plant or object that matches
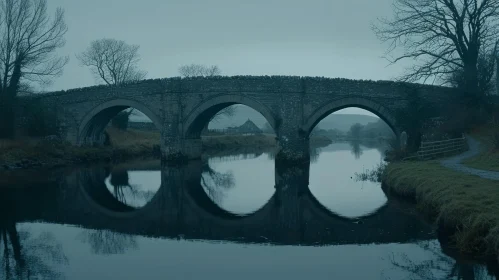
(372, 130)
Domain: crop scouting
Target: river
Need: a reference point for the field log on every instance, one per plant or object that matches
(239, 216)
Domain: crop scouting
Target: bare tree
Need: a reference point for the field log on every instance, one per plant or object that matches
(441, 37)
(122, 190)
(112, 61)
(29, 254)
(28, 40)
(198, 70)
(486, 65)
(105, 242)
(496, 70)
(216, 183)
(437, 265)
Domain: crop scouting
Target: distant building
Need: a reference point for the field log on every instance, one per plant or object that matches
(248, 127)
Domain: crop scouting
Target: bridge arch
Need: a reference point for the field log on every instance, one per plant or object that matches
(196, 119)
(342, 103)
(97, 197)
(94, 122)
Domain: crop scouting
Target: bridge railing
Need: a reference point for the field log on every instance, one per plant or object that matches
(434, 149)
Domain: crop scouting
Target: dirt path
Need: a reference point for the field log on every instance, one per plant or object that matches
(474, 149)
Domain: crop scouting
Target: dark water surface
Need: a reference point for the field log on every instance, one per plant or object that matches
(234, 217)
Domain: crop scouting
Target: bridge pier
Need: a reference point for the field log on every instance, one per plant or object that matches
(175, 180)
(293, 148)
(171, 148)
(192, 148)
(177, 149)
(291, 182)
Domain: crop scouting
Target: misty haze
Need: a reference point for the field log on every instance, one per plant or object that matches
(222, 139)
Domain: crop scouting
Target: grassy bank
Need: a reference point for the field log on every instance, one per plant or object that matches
(29, 153)
(489, 158)
(125, 145)
(465, 207)
(259, 140)
(236, 141)
(26, 154)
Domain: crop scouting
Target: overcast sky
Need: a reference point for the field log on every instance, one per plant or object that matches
(330, 38)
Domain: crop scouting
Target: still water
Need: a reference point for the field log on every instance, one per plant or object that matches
(239, 216)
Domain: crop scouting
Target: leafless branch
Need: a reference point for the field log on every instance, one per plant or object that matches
(112, 61)
(440, 37)
(28, 40)
(225, 112)
(198, 70)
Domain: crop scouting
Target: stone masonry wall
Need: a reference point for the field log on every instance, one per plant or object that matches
(293, 105)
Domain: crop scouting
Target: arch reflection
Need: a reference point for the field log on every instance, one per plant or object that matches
(133, 188)
(231, 186)
(292, 215)
(333, 184)
(121, 188)
(25, 253)
(181, 209)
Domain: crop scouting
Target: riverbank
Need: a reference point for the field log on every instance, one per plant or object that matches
(52, 154)
(464, 207)
(215, 143)
(124, 145)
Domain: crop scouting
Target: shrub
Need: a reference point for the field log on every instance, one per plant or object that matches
(120, 121)
(413, 117)
(395, 152)
(375, 175)
(40, 120)
(460, 118)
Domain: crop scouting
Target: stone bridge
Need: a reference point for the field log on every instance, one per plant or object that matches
(182, 209)
(180, 108)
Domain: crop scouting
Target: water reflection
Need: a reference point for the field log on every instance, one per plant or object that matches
(356, 149)
(433, 264)
(234, 210)
(135, 194)
(216, 183)
(332, 180)
(23, 254)
(281, 211)
(105, 242)
(240, 185)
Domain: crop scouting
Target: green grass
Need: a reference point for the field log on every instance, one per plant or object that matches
(489, 158)
(466, 204)
(320, 141)
(258, 140)
(235, 141)
(125, 145)
(132, 137)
